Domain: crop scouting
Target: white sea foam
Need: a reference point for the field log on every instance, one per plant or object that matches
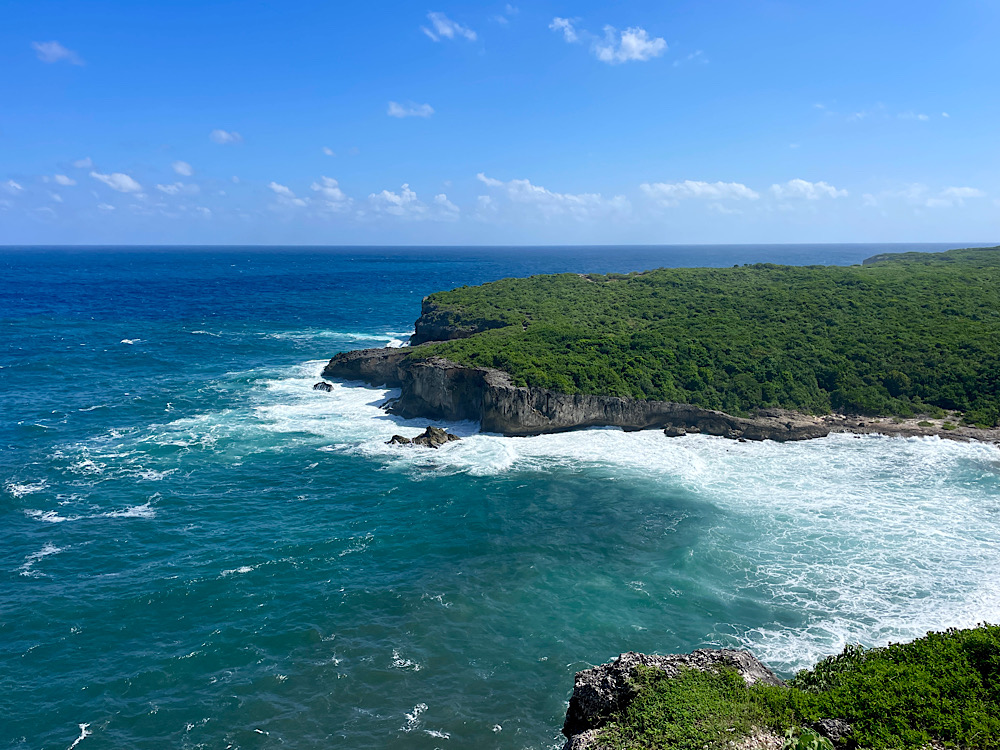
(398, 662)
(130, 341)
(84, 734)
(413, 720)
(205, 333)
(438, 734)
(866, 538)
(92, 408)
(133, 511)
(27, 488)
(239, 571)
(27, 568)
(49, 516)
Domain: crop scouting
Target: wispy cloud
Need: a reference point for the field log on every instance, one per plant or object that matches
(183, 168)
(445, 28)
(669, 193)
(12, 187)
(565, 25)
(61, 179)
(225, 137)
(803, 189)
(695, 57)
(85, 163)
(333, 198)
(328, 151)
(118, 181)
(632, 44)
(53, 52)
(178, 188)
(285, 195)
(409, 109)
(580, 206)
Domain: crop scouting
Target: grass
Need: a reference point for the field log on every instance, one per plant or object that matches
(944, 686)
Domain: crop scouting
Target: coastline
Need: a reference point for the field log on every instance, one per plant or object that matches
(436, 388)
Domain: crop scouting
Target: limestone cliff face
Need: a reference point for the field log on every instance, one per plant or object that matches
(435, 388)
(445, 324)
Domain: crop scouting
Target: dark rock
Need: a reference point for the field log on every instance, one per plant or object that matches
(672, 431)
(324, 386)
(434, 437)
(837, 731)
(398, 440)
(602, 691)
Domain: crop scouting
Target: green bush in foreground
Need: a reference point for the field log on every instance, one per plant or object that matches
(945, 687)
(907, 334)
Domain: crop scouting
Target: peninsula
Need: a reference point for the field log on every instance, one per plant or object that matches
(904, 344)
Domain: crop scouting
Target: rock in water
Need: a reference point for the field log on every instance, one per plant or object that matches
(434, 437)
(324, 386)
(673, 431)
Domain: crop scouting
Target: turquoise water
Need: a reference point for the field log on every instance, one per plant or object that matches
(202, 551)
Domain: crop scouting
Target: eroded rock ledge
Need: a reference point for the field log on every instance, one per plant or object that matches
(435, 388)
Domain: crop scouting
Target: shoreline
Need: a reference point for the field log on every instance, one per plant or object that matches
(436, 388)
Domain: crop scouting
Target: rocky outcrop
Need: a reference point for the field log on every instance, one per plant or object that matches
(444, 324)
(603, 691)
(432, 437)
(324, 386)
(435, 388)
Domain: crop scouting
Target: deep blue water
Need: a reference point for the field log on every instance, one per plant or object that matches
(201, 551)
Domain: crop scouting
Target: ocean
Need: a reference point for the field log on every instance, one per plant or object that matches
(201, 551)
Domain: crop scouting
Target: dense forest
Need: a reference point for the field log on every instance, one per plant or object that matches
(904, 334)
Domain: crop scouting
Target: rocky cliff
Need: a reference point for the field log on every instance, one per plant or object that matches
(435, 388)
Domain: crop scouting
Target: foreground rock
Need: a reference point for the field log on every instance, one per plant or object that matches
(601, 692)
(435, 388)
(432, 437)
(323, 386)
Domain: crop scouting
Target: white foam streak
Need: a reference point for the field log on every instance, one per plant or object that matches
(27, 569)
(133, 511)
(413, 718)
(84, 734)
(29, 488)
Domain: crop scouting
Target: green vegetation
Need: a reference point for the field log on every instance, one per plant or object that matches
(944, 687)
(902, 335)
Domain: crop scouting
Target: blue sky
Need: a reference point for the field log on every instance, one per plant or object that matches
(494, 123)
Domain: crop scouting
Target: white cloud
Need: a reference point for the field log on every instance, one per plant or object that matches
(56, 197)
(85, 163)
(182, 168)
(579, 206)
(203, 212)
(913, 116)
(959, 193)
(565, 25)
(409, 110)
(236, 180)
(945, 114)
(808, 190)
(447, 207)
(445, 28)
(669, 193)
(328, 151)
(334, 198)
(12, 187)
(225, 137)
(118, 181)
(633, 44)
(53, 52)
(105, 207)
(61, 179)
(403, 203)
(285, 195)
(178, 188)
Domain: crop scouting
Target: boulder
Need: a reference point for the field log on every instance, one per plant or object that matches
(674, 431)
(324, 386)
(398, 440)
(839, 732)
(434, 437)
